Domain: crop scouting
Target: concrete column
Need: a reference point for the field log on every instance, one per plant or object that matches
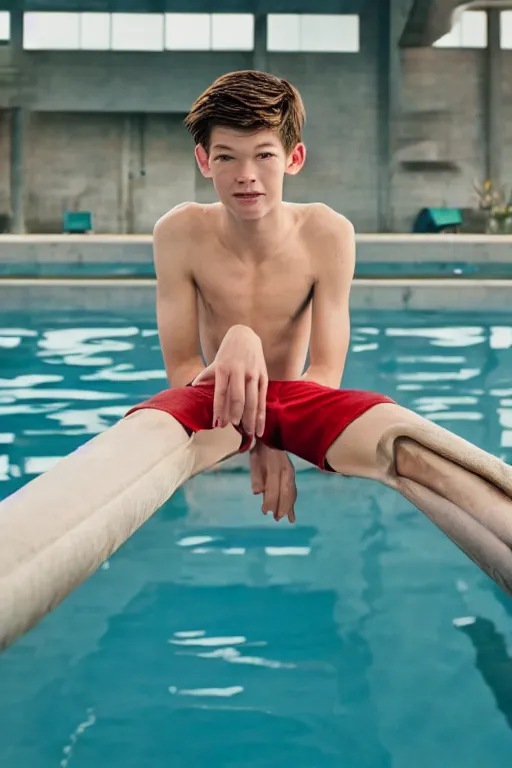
(493, 98)
(398, 15)
(18, 120)
(124, 213)
(16, 41)
(384, 114)
(260, 43)
(17, 170)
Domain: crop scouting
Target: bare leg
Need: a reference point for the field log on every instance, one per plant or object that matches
(211, 446)
(474, 512)
(482, 500)
(59, 528)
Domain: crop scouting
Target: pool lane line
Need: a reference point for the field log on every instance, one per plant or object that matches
(363, 282)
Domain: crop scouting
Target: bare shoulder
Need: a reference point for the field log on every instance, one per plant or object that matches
(324, 221)
(330, 239)
(178, 221)
(180, 232)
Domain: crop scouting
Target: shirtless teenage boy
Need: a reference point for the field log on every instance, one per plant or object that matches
(250, 283)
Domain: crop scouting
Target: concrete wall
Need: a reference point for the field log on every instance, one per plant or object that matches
(90, 150)
(127, 169)
(72, 162)
(88, 139)
(80, 81)
(506, 124)
(341, 133)
(85, 145)
(442, 118)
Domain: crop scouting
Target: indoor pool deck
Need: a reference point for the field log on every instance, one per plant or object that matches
(417, 272)
(372, 248)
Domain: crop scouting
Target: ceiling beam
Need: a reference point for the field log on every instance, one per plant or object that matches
(428, 21)
(190, 6)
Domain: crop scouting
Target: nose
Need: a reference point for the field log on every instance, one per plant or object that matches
(245, 173)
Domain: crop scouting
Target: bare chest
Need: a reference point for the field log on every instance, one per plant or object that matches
(269, 297)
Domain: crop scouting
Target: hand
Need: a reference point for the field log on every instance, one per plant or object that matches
(273, 475)
(239, 372)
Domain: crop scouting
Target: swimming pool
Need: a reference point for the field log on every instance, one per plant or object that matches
(360, 637)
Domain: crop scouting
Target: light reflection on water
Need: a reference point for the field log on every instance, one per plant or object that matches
(216, 637)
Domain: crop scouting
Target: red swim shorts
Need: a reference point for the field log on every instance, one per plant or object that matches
(302, 417)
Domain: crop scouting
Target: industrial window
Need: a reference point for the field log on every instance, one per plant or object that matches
(230, 27)
(188, 31)
(95, 31)
(4, 26)
(313, 33)
(469, 31)
(506, 30)
(209, 31)
(137, 32)
(51, 31)
(67, 31)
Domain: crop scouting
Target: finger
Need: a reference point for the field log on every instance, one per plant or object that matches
(251, 406)
(287, 496)
(224, 416)
(262, 405)
(291, 516)
(220, 395)
(257, 480)
(271, 494)
(236, 396)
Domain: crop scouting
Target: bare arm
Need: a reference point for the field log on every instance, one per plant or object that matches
(330, 328)
(176, 301)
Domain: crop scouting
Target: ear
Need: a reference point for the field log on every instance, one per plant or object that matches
(296, 160)
(203, 161)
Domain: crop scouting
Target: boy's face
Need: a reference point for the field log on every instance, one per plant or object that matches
(247, 169)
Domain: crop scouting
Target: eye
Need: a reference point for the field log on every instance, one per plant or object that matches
(223, 158)
(266, 155)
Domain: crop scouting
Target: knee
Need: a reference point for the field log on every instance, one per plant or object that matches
(211, 446)
(415, 462)
(406, 455)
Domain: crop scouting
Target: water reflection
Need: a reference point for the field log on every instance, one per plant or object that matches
(30, 381)
(125, 373)
(74, 737)
(455, 336)
(492, 661)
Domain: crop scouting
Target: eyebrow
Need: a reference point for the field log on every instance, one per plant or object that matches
(230, 149)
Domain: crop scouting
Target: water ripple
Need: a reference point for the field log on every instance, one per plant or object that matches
(233, 656)
(30, 381)
(233, 690)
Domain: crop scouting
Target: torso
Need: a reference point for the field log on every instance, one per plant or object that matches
(273, 296)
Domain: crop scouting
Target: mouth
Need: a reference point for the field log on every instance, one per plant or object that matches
(248, 195)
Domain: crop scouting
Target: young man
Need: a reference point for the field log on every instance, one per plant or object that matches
(249, 284)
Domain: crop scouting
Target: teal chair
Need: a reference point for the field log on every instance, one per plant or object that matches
(77, 222)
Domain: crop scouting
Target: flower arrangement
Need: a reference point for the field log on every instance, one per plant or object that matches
(498, 207)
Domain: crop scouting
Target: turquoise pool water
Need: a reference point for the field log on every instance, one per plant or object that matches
(364, 269)
(216, 638)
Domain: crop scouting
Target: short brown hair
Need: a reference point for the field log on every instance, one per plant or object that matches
(248, 100)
